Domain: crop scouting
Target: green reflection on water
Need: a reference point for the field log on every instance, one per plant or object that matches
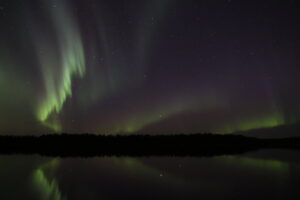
(48, 189)
(259, 164)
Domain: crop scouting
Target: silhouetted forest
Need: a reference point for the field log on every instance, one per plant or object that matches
(87, 145)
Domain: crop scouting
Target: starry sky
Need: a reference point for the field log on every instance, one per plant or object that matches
(148, 67)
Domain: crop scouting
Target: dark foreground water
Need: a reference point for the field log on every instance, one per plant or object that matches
(271, 174)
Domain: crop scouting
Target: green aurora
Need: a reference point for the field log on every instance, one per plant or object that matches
(139, 68)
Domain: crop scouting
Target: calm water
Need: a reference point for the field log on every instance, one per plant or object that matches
(256, 175)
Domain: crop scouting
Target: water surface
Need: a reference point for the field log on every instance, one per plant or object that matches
(266, 174)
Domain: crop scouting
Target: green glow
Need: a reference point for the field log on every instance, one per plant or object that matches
(13, 84)
(273, 166)
(267, 121)
(15, 99)
(138, 124)
(16, 88)
(137, 121)
(136, 166)
(54, 125)
(49, 189)
(60, 69)
(73, 64)
(52, 164)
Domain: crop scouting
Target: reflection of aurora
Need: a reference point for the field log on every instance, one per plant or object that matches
(48, 189)
(276, 167)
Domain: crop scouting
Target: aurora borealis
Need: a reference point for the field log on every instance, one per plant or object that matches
(153, 66)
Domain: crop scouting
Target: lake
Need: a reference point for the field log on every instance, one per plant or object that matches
(264, 174)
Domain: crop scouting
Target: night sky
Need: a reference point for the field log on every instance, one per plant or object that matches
(148, 67)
